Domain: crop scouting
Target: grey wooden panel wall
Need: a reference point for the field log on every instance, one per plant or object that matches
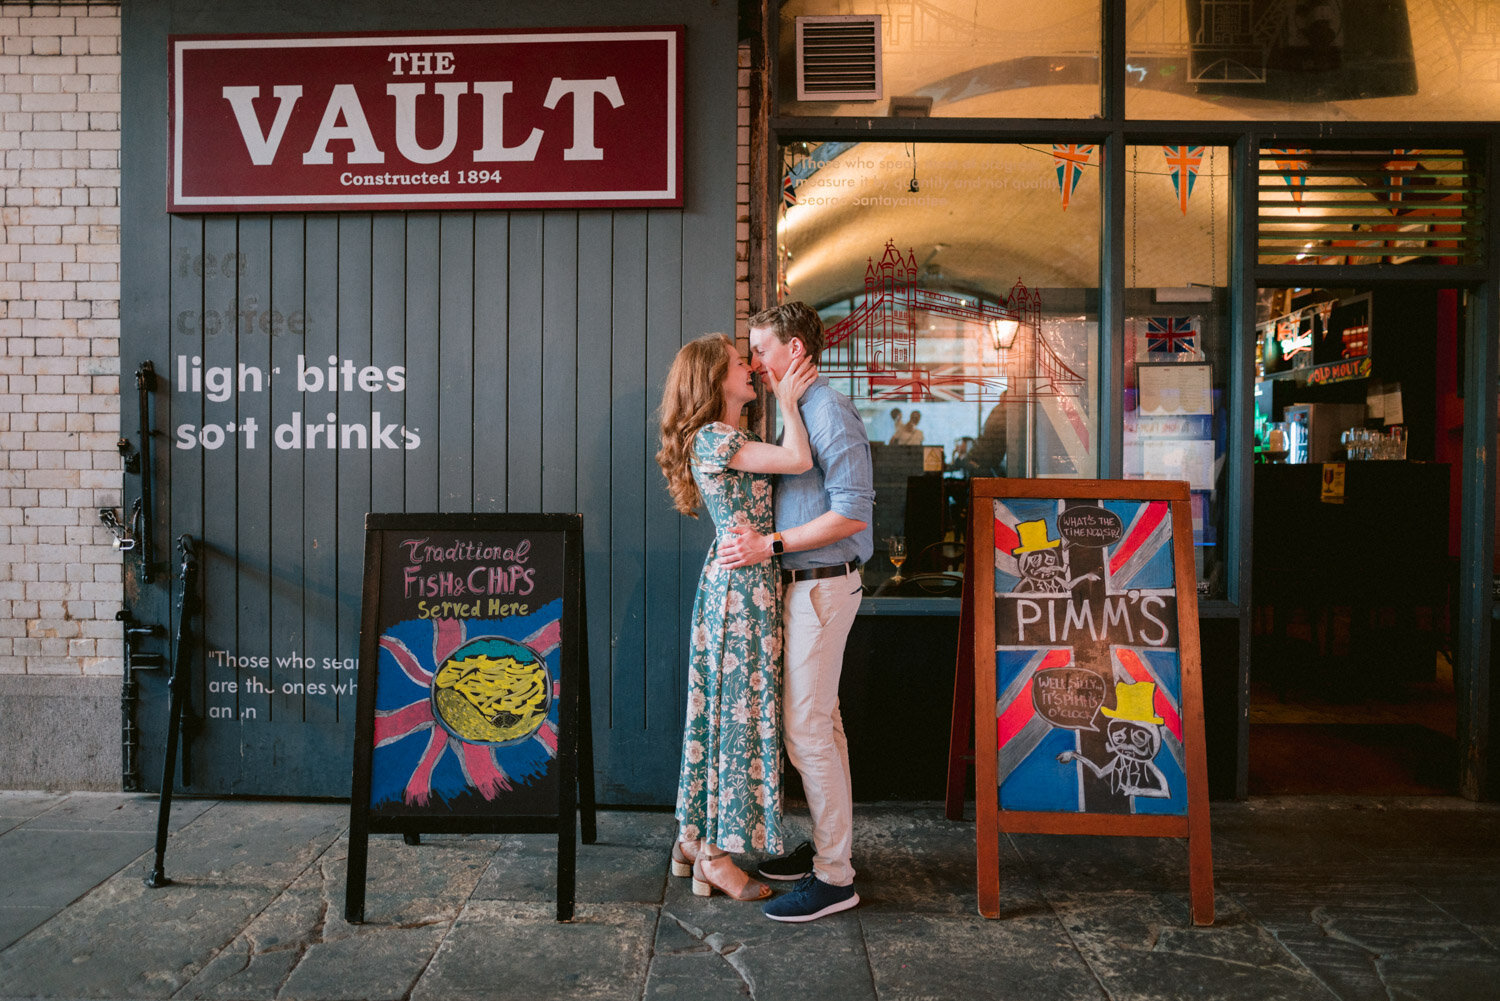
(533, 344)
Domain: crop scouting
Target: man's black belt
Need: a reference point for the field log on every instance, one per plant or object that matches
(815, 573)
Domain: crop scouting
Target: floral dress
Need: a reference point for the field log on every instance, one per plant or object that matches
(730, 789)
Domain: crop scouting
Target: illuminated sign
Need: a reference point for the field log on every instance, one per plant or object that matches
(1339, 371)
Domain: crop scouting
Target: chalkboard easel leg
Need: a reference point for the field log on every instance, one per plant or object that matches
(961, 727)
(567, 861)
(1200, 868)
(585, 765)
(354, 885)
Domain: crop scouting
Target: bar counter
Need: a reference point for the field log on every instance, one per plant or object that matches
(1381, 556)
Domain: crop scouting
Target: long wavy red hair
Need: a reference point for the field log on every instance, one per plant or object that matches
(694, 396)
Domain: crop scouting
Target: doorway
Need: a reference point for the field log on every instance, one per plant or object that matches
(1359, 422)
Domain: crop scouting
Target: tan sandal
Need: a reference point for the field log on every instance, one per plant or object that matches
(720, 873)
(684, 854)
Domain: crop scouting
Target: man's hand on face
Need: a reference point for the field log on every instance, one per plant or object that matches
(744, 547)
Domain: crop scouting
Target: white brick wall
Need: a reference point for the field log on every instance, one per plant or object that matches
(60, 579)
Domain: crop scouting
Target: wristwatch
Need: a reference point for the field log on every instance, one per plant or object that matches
(778, 544)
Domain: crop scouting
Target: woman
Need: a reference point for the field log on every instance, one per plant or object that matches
(729, 793)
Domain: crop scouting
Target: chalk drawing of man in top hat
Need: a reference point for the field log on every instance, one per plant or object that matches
(1043, 564)
(1134, 735)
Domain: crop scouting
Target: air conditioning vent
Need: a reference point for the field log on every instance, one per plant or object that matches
(838, 58)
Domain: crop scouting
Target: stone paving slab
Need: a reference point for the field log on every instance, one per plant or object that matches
(517, 949)
(1475, 903)
(1144, 947)
(127, 941)
(1377, 942)
(16, 921)
(113, 812)
(1352, 972)
(779, 961)
(18, 807)
(628, 862)
(123, 939)
(689, 963)
(300, 946)
(939, 879)
(930, 957)
(54, 868)
(1073, 863)
(252, 841)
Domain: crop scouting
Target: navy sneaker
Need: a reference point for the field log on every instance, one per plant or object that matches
(788, 867)
(809, 900)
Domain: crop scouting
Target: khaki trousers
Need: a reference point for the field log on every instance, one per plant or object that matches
(818, 615)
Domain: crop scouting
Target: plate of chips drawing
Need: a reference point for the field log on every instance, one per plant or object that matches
(492, 691)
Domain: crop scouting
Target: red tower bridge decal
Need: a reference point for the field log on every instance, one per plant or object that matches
(874, 347)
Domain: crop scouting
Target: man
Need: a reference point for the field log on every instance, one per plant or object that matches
(823, 534)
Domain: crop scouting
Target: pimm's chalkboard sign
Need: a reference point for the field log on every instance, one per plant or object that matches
(1080, 628)
(473, 685)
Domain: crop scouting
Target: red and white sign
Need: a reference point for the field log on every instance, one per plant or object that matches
(560, 118)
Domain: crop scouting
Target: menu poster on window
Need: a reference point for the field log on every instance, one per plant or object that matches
(1191, 460)
(1080, 622)
(471, 679)
(1170, 389)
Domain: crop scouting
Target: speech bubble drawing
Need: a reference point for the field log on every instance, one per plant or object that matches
(1068, 697)
(1090, 526)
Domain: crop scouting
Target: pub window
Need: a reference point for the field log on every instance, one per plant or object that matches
(959, 287)
(1323, 60)
(1177, 344)
(959, 58)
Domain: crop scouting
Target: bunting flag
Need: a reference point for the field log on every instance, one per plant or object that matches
(1399, 162)
(1070, 160)
(789, 190)
(1293, 171)
(1184, 162)
(1172, 335)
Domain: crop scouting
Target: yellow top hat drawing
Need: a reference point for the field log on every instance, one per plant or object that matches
(1033, 537)
(1134, 702)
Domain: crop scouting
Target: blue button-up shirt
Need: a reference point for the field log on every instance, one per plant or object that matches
(842, 479)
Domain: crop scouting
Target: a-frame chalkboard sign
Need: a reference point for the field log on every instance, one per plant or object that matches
(473, 712)
(1080, 633)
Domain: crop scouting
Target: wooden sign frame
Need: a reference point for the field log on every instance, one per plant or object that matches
(472, 603)
(1073, 701)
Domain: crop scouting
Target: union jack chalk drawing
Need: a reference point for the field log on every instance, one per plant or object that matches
(499, 676)
(1089, 707)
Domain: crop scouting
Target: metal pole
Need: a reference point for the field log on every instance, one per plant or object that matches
(178, 686)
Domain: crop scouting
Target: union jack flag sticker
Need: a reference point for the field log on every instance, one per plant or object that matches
(1173, 335)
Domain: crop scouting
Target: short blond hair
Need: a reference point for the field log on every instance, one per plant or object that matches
(794, 319)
